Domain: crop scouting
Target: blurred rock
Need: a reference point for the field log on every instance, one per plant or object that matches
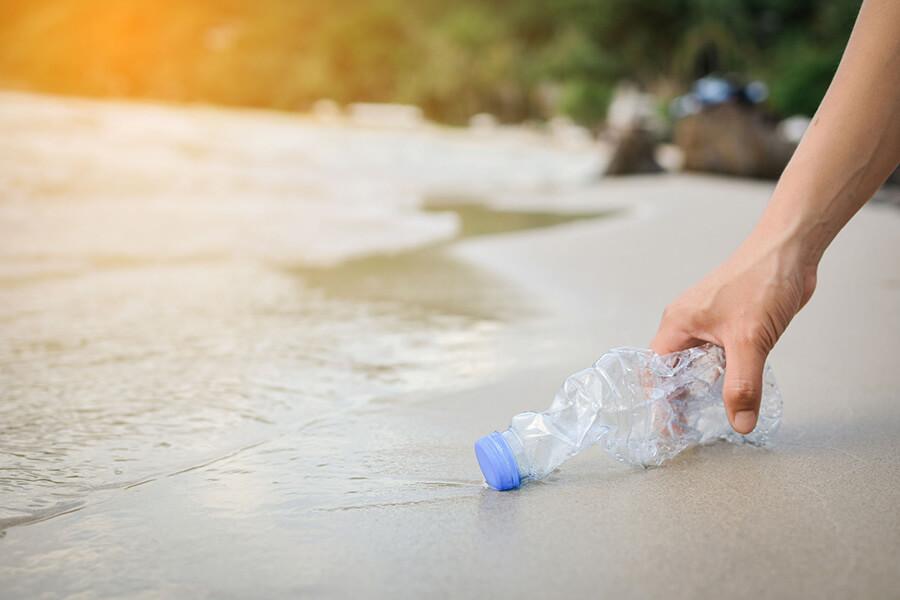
(569, 134)
(792, 129)
(326, 110)
(732, 139)
(670, 157)
(399, 116)
(630, 108)
(633, 125)
(483, 122)
(633, 152)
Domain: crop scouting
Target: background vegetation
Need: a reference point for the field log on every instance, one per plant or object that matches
(518, 59)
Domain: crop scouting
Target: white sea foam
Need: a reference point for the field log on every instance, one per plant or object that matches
(83, 179)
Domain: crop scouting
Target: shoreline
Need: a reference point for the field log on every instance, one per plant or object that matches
(374, 280)
(402, 499)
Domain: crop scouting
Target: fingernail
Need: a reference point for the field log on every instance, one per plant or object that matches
(745, 421)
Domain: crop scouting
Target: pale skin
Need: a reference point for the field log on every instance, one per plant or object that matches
(850, 148)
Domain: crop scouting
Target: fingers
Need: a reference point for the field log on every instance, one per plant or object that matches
(743, 385)
(673, 335)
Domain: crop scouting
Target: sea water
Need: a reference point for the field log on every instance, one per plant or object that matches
(178, 285)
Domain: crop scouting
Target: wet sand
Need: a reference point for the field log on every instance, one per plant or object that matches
(391, 503)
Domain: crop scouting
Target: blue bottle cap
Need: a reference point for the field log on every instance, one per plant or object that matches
(497, 462)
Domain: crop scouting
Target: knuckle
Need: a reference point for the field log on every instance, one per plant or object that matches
(753, 335)
(699, 318)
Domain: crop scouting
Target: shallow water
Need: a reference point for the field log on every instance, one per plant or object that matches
(183, 286)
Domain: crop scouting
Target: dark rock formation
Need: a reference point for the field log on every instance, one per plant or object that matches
(633, 153)
(732, 139)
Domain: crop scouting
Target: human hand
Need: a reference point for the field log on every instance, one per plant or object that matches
(849, 149)
(743, 306)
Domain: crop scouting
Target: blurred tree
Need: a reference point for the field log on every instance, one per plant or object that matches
(453, 57)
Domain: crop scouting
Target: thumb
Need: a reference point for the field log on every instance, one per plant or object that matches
(744, 365)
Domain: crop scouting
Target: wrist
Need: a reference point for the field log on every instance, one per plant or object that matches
(797, 231)
(789, 250)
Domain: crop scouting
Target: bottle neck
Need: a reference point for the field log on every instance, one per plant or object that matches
(518, 449)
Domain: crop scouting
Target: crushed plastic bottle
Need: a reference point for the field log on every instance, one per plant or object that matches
(641, 407)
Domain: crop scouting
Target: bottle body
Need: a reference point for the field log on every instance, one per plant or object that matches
(643, 409)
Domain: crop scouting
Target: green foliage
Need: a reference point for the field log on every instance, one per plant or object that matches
(804, 60)
(801, 78)
(454, 58)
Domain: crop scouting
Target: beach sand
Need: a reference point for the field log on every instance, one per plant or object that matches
(399, 509)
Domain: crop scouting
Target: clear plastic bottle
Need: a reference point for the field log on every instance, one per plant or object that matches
(641, 407)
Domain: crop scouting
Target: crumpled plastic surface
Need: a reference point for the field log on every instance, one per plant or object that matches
(641, 407)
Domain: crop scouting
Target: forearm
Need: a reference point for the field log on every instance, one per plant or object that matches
(852, 144)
